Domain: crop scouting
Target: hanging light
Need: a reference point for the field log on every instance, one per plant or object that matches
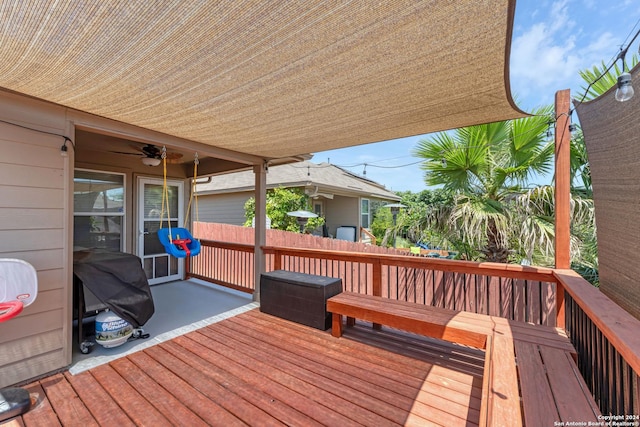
(364, 171)
(443, 162)
(150, 161)
(625, 89)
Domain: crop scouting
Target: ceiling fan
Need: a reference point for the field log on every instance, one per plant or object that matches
(151, 155)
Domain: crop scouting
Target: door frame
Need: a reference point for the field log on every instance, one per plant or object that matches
(140, 221)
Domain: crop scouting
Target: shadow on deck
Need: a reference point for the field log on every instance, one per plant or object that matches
(257, 369)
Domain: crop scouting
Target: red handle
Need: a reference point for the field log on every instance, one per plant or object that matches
(10, 309)
(182, 244)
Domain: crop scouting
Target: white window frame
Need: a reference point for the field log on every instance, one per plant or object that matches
(123, 214)
(368, 213)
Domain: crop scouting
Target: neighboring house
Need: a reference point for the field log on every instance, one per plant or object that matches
(341, 197)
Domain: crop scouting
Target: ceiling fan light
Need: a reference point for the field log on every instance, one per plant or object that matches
(150, 161)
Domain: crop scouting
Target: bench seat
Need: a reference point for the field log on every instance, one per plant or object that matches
(530, 375)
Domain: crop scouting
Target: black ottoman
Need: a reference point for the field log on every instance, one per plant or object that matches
(299, 297)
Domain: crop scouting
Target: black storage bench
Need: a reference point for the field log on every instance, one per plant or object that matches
(299, 297)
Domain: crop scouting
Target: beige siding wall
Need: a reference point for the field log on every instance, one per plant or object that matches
(223, 208)
(34, 226)
(342, 211)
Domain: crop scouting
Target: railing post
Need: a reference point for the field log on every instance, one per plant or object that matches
(377, 284)
(277, 260)
(560, 306)
(377, 278)
(562, 180)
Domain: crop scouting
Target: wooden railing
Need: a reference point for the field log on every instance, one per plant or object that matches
(607, 340)
(369, 234)
(227, 264)
(515, 292)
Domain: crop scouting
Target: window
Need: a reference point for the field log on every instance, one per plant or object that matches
(317, 208)
(365, 213)
(98, 210)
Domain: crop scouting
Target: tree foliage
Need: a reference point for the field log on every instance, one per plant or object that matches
(484, 169)
(280, 201)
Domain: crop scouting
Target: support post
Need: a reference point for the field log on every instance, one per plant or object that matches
(260, 230)
(562, 180)
(562, 196)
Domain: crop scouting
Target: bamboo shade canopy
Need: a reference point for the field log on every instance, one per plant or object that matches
(612, 137)
(274, 78)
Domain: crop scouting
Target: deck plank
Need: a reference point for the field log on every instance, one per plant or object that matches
(538, 405)
(244, 412)
(42, 413)
(388, 366)
(136, 406)
(12, 422)
(450, 405)
(101, 405)
(386, 404)
(568, 387)
(170, 407)
(370, 356)
(503, 396)
(314, 402)
(68, 406)
(273, 407)
(353, 370)
(196, 401)
(258, 369)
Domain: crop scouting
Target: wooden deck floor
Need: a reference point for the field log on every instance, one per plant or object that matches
(255, 369)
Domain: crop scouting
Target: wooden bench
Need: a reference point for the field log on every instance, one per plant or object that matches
(530, 374)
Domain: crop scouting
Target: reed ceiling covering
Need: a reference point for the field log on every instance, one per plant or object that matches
(273, 78)
(612, 137)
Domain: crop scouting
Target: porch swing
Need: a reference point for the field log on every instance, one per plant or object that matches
(177, 241)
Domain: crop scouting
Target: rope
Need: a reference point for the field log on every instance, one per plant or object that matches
(193, 191)
(165, 193)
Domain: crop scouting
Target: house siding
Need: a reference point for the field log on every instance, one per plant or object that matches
(34, 227)
(223, 208)
(342, 211)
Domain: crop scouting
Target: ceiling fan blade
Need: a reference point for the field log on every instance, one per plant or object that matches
(125, 152)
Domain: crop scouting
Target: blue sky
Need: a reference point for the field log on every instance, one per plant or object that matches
(552, 41)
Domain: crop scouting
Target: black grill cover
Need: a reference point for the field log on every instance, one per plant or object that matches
(118, 280)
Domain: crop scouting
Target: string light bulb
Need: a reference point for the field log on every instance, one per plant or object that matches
(624, 92)
(443, 162)
(64, 150)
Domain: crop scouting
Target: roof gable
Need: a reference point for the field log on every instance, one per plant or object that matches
(326, 177)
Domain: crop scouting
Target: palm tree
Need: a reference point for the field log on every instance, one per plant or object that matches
(486, 168)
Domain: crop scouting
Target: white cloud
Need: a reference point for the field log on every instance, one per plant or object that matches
(540, 61)
(548, 54)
